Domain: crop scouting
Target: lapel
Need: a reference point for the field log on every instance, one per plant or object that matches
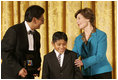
(66, 58)
(92, 36)
(23, 36)
(35, 39)
(87, 47)
(55, 60)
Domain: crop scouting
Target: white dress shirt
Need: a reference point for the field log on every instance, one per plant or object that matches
(30, 37)
(62, 57)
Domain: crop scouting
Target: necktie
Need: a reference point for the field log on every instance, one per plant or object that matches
(30, 32)
(59, 59)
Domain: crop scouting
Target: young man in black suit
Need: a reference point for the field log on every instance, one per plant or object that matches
(20, 47)
(59, 64)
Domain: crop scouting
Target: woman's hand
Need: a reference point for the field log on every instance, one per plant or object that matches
(78, 62)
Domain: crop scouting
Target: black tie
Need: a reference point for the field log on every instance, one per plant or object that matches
(30, 32)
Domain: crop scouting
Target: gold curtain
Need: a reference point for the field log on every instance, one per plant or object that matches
(59, 16)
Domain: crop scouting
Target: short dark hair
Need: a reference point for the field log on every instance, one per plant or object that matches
(33, 11)
(87, 13)
(59, 35)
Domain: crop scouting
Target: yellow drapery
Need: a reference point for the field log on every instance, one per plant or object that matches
(59, 16)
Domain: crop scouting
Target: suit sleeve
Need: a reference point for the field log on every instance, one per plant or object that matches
(77, 72)
(8, 46)
(101, 53)
(45, 72)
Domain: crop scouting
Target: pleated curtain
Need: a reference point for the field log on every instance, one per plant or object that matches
(59, 16)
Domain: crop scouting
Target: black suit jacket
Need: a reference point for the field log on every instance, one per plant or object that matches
(14, 46)
(52, 69)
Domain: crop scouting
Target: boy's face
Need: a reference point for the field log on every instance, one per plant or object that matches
(60, 45)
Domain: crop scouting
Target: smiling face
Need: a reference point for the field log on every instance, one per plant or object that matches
(39, 22)
(60, 45)
(82, 21)
(36, 23)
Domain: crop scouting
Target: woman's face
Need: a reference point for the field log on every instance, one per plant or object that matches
(82, 21)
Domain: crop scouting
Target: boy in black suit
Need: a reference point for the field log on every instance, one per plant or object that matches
(59, 64)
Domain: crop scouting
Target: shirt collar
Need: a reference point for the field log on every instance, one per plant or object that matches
(27, 27)
(57, 53)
